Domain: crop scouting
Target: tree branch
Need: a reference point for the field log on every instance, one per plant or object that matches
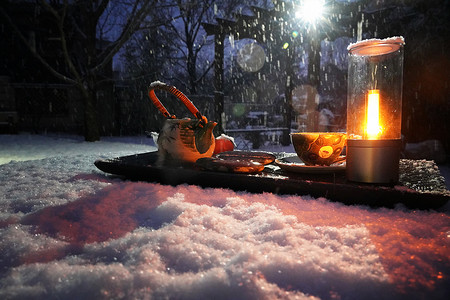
(100, 9)
(205, 72)
(34, 52)
(61, 18)
(130, 27)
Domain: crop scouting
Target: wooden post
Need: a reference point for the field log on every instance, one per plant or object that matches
(219, 39)
(285, 139)
(314, 59)
(314, 80)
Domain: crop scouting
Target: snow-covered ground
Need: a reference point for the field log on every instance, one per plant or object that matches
(70, 231)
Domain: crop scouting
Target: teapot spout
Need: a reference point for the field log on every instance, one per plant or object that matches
(204, 138)
(210, 126)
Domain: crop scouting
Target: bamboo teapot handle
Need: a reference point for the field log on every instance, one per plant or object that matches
(158, 85)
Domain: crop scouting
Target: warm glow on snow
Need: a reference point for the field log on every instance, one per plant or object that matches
(68, 230)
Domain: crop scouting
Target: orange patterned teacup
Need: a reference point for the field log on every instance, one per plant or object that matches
(319, 148)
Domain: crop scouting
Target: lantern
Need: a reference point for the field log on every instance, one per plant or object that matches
(374, 110)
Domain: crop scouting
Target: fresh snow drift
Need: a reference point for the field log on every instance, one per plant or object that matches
(70, 231)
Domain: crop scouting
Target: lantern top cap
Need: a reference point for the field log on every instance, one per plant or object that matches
(374, 47)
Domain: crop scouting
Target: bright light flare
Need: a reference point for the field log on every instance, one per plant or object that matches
(310, 10)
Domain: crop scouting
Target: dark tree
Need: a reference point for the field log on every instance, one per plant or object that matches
(86, 22)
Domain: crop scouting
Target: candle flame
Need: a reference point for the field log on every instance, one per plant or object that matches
(373, 128)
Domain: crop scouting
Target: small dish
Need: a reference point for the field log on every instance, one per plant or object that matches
(263, 158)
(295, 164)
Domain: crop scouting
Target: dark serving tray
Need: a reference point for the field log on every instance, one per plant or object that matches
(420, 185)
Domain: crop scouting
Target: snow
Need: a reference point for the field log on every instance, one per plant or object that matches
(391, 40)
(70, 231)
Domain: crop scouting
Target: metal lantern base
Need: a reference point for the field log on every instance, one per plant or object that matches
(373, 161)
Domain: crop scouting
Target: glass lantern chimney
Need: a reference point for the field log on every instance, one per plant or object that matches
(374, 109)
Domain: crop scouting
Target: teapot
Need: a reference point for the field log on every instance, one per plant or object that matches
(182, 141)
